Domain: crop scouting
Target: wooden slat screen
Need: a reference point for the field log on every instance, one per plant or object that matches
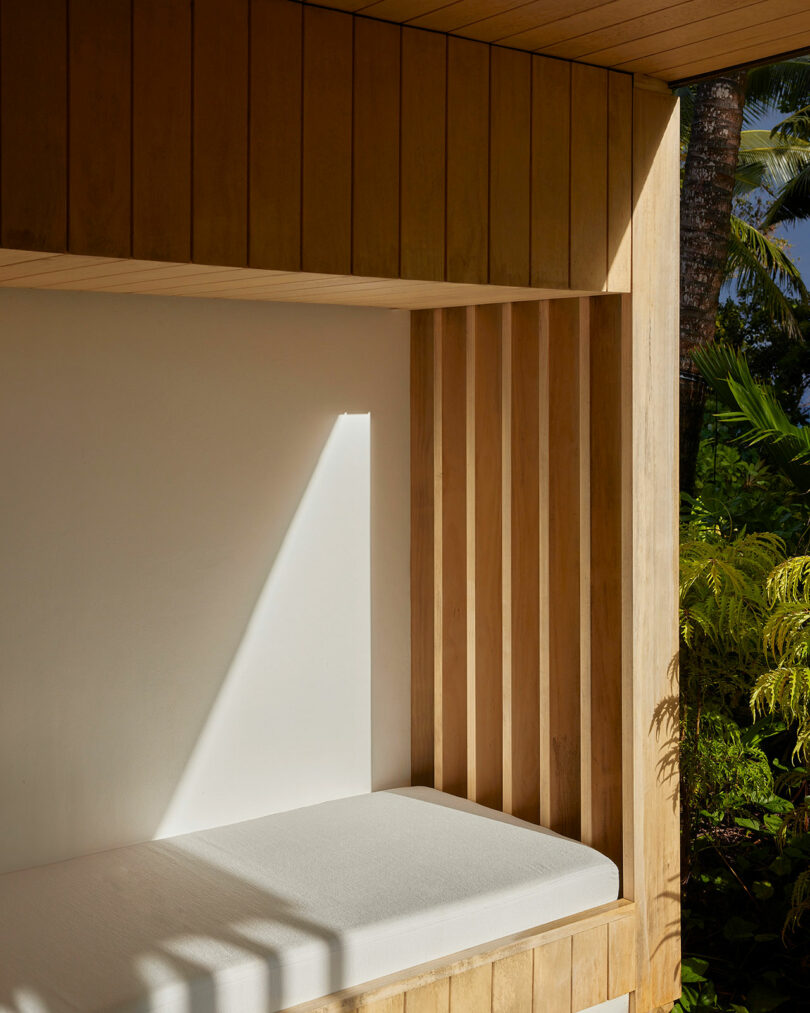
(282, 136)
(517, 484)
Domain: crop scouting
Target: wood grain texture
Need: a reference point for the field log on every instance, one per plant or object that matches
(512, 983)
(588, 175)
(275, 135)
(100, 122)
(33, 124)
(485, 751)
(471, 991)
(326, 235)
(467, 161)
(608, 396)
(565, 558)
(523, 785)
(552, 977)
(651, 639)
(620, 182)
(510, 167)
(621, 958)
(396, 1004)
(423, 121)
(161, 130)
(375, 166)
(589, 968)
(432, 998)
(550, 169)
(220, 161)
(423, 587)
(451, 677)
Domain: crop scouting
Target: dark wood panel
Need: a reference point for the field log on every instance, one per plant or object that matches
(467, 160)
(620, 181)
(588, 177)
(422, 197)
(327, 168)
(99, 192)
(220, 132)
(486, 776)
(423, 587)
(161, 129)
(375, 201)
(510, 167)
(275, 135)
(551, 175)
(33, 124)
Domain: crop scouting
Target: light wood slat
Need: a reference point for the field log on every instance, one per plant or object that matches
(587, 714)
(467, 160)
(33, 124)
(510, 166)
(651, 866)
(48, 268)
(327, 168)
(552, 977)
(463, 13)
(620, 182)
(99, 118)
(588, 176)
(524, 17)
(220, 132)
(577, 18)
(146, 276)
(471, 992)
(11, 257)
(392, 10)
(423, 587)
(522, 788)
(621, 958)
(422, 196)
(375, 202)
(451, 636)
(161, 129)
(608, 395)
(396, 1004)
(589, 959)
(433, 998)
(275, 135)
(484, 579)
(512, 984)
(565, 561)
(551, 180)
(544, 571)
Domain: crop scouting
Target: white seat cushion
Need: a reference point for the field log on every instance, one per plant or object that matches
(261, 915)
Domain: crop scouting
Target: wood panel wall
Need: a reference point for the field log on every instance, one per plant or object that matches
(517, 560)
(271, 134)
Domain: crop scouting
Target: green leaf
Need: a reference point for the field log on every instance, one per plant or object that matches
(693, 969)
(747, 824)
(739, 928)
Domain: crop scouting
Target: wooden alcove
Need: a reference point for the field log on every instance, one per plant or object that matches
(525, 208)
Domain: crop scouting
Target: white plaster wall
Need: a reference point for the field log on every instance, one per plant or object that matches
(204, 604)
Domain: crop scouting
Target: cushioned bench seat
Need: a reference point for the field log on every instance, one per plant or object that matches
(262, 915)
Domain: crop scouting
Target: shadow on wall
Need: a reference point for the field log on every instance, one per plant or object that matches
(155, 454)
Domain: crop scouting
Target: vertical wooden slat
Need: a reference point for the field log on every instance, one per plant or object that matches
(422, 551)
(485, 703)
(510, 166)
(100, 119)
(375, 201)
(565, 514)
(33, 125)
(589, 197)
(523, 782)
(589, 954)
(220, 161)
(275, 135)
(652, 875)
(467, 160)
(422, 193)
(620, 183)
(451, 658)
(161, 130)
(587, 715)
(512, 983)
(551, 178)
(608, 395)
(396, 1004)
(433, 998)
(621, 957)
(471, 992)
(544, 594)
(326, 234)
(552, 977)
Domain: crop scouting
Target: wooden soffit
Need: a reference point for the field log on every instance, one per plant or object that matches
(669, 39)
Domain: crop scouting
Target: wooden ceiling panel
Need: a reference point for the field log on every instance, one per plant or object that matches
(668, 39)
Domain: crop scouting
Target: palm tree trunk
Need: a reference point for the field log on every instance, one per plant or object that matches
(708, 182)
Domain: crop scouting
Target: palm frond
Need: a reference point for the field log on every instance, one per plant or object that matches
(797, 124)
(784, 85)
(781, 158)
(792, 202)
